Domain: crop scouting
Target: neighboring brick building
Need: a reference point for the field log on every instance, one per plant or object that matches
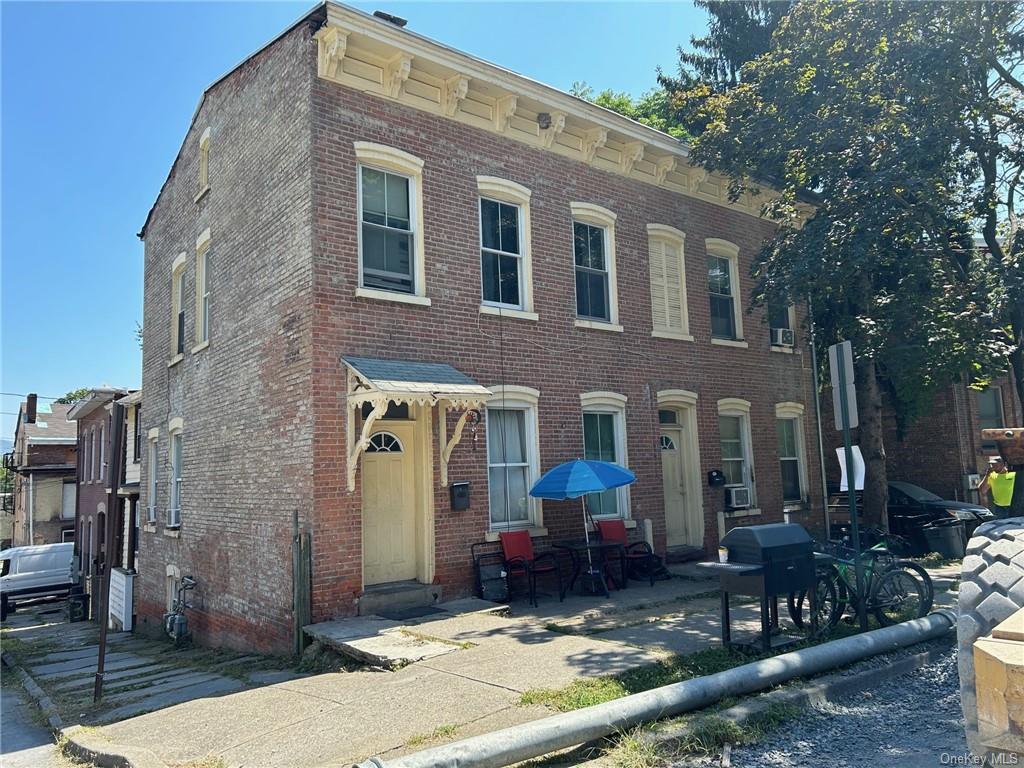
(43, 459)
(941, 451)
(365, 237)
(93, 417)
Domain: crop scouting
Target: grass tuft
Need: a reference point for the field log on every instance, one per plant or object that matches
(632, 750)
(441, 733)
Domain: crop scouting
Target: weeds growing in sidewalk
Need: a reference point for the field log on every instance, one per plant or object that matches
(708, 734)
(632, 750)
(441, 733)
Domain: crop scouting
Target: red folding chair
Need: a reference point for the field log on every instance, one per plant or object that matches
(520, 560)
(638, 552)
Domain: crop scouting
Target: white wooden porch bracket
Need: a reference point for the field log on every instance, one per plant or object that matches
(380, 407)
(447, 446)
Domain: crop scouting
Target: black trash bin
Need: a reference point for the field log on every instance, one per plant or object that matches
(946, 537)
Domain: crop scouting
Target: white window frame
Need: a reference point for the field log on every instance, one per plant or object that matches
(596, 216)
(177, 306)
(517, 398)
(794, 412)
(665, 237)
(391, 160)
(202, 290)
(739, 408)
(724, 249)
(614, 404)
(152, 478)
(175, 432)
(510, 193)
(103, 455)
(93, 455)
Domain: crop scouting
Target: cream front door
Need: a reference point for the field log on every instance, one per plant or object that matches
(680, 526)
(389, 505)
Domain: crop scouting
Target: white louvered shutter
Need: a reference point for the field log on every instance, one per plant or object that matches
(659, 286)
(673, 287)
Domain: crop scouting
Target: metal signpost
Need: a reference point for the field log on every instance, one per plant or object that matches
(844, 404)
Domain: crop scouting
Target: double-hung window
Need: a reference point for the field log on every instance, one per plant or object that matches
(174, 508)
(592, 280)
(501, 255)
(792, 462)
(203, 288)
(513, 460)
(593, 244)
(102, 474)
(779, 315)
(990, 412)
(178, 306)
(734, 439)
(93, 456)
(387, 231)
(604, 436)
(723, 290)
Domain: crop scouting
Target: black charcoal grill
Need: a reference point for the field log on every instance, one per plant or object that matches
(766, 561)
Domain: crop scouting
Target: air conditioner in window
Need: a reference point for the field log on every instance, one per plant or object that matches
(737, 497)
(783, 337)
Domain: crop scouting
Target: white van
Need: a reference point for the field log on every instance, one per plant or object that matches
(30, 572)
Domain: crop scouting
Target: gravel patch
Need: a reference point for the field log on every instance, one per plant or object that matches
(910, 721)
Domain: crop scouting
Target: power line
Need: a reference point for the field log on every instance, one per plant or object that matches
(15, 394)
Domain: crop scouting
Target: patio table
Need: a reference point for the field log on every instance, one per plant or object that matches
(577, 550)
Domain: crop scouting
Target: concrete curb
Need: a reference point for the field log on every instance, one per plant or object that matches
(817, 691)
(78, 741)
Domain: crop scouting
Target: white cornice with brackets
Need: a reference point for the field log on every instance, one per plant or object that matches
(374, 56)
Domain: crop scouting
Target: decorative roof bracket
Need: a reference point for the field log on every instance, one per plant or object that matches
(631, 153)
(331, 53)
(455, 90)
(557, 125)
(380, 407)
(447, 446)
(396, 72)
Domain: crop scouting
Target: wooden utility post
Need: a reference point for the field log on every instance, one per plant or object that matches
(116, 454)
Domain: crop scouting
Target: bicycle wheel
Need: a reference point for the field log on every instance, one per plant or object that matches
(925, 579)
(828, 611)
(898, 596)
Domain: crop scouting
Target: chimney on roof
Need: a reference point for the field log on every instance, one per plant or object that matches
(30, 408)
(398, 21)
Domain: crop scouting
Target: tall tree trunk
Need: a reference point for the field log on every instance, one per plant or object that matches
(872, 444)
(1017, 356)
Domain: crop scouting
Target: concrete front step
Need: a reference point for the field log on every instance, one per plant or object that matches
(398, 596)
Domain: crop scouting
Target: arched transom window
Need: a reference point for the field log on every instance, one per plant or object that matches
(384, 442)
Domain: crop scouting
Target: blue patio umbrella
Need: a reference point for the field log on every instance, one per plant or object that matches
(577, 478)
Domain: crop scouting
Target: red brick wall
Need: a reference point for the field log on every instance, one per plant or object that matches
(550, 355)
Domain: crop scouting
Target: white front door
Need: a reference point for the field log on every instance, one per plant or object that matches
(682, 524)
(389, 505)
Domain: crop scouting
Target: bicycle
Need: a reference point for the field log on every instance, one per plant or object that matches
(896, 590)
(175, 621)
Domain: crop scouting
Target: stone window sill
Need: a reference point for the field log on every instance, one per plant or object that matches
(202, 193)
(738, 343)
(535, 533)
(517, 314)
(172, 533)
(401, 298)
(598, 325)
(149, 527)
(668, 333)
(175, 360)
(200, 346)
(734, 513)
(783, 350)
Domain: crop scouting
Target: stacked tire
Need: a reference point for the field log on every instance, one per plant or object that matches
(991, 590)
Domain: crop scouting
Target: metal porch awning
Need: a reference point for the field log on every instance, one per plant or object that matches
(379, 382)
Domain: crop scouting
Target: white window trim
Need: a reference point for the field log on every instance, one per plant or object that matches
(735, 406)
(177, 291)
(202, 290)
(726, 250)
(390, 159)
(175, 427)
(795, 412)
(615, 404)
(103, 454)
(505, 191)
(677, 239)
(514, 397)
(589, 213)
(204, 164)
(152, 478)
(92, 455)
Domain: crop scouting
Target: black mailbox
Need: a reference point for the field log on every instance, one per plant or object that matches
(459, 494)
(715, 478)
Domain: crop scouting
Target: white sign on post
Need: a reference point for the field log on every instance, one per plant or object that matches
(846, 350)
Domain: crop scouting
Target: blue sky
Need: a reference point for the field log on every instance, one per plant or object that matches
(96, 98)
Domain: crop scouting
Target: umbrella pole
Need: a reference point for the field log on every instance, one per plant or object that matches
(586, 536)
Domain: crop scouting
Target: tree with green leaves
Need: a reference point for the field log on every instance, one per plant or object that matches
(738, 31)
(653, 108)
(858, 108)
(73, 396)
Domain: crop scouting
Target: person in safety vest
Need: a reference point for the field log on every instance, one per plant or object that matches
(996, 488)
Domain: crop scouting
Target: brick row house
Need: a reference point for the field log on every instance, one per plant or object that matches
(380, 267)
(96, 432)
(43, 461)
